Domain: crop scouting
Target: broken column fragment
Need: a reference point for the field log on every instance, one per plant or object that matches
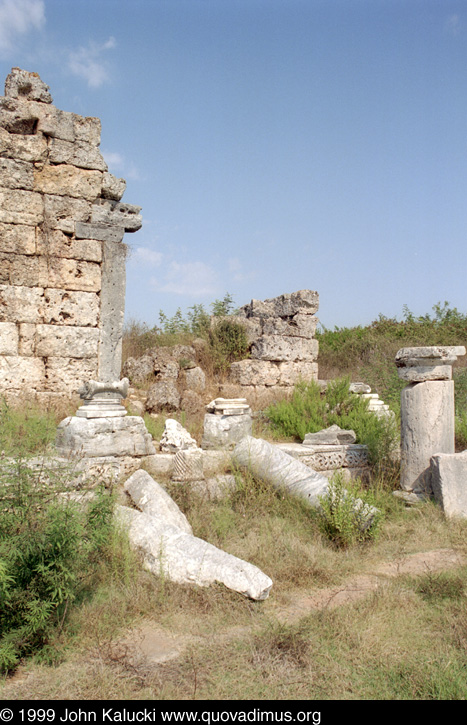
(427, 411)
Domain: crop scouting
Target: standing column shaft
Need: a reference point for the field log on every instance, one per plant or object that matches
(112, 311)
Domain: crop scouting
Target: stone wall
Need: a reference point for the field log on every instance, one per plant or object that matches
(282, 345)
(62, 260)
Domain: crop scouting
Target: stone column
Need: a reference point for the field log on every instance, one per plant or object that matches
(427, 411)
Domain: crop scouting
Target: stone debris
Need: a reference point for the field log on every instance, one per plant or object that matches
(170, 550)
(226, 423)
(62, 261)
(449, 482)
(334, 435)
(175, 437)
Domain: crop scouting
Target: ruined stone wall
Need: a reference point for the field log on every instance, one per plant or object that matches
(282, 345)
(62, 261)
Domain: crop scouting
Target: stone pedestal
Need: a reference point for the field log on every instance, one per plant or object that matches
(427, 411)
(226, 423)
(103, 437)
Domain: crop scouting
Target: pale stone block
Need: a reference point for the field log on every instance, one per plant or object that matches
(225, 431)
(27, 339)
(28, 271)
(23, 147)
(57, 244)
(100, 232)
(66, 341)
(420, 374)
(5, 268)
(87, 129)
(82, 155)
(26, 86)
(20, 304)
(21, 207)
(17, 238)
(114, 213)
(64, 212)
(175, 437)
(73, 274)
(16, 174)
(21, 373)
(66, 374)
(290, 373)
(254, 372)
(188, 466)
(8, 338)
(51, 121)
(282, 349)
(299, 326)
(112, 187)
(427, 428)
(66, 180)
(98, 437)
(286, 305)
(65, 307)
(449, 482)
(195, 379)
(18, 117)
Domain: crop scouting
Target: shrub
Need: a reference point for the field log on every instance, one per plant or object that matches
(228, 342)
(343, 513)
(50, 547)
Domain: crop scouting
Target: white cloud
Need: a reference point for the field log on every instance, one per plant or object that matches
(195, 279)
(87, 62)
(113, 159)
(237, 273)
(148, 256)
(453, 24)
(117, 164)
(18, 17)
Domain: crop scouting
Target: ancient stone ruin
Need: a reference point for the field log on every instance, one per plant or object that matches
(282, 345)
(62, 260)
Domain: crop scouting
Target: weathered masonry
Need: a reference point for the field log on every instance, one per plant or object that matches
(62, 260)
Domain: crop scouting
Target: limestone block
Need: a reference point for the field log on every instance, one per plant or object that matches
(100, 232)
(277, 348)
(51, 121)
(434, 355)
(112, 187)
(64, 307)
(18, 117)
(26, 86)
(254, 372)
(26, 339)
(153, 500)
(299, 325)
(195, 379)
(21, 373)
(449, 482)
(67, 180)
(20, 304)
(171, 552)
(175, 437)
(8, 338)
(290, 373)
(5, 268)
(16, 174)
(334, 435)
(114, 213)
(66, 341)
(163, 396)
(29, 271)
(328, 457)
(420, 374)
(74, 274)
(160, 464)
(95, 437)
(286, 305)
(67, 373)
(225, 431)
(82, 155)
(17, 238)
(64, 212)
(139, 370)
(22, 147)
(21, 207)
(427, 428)
(188, 465)
(57, 244)
(87, 129)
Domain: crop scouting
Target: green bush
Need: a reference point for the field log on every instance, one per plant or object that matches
(343, 513)
(228, 342)
(50, 548)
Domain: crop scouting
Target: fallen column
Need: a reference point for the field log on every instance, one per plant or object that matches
(271, 464)
(170, 550)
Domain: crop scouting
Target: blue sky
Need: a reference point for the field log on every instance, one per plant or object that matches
(274, 145)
